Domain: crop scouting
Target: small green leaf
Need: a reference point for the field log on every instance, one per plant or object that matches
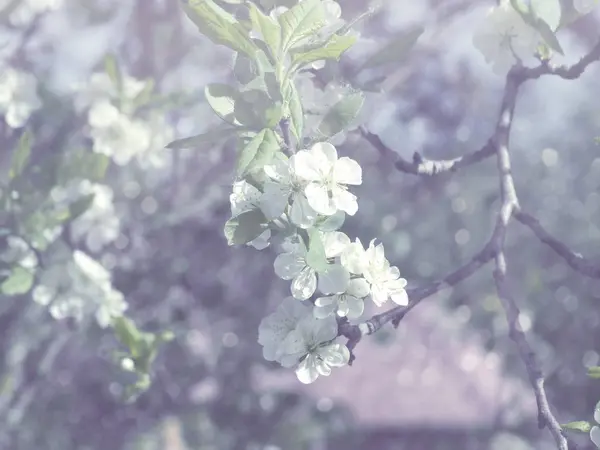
(111, 67)
(332, 49)
(221, 98)
(581, 425)
(245, 227)
(81, 205)
(315, 256)
(128, 333)
(218, 25)
(341, 114)
(294, 104)
(254, 109)
(396, 50)
(258, 152)
(593, 372)
(245, 70)
(18, 282)
(21, 155)
(301, 21)
(269, 29)
(216, 134)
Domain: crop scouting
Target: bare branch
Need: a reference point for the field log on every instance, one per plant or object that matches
(575, 260)
(424, 166)
(510, 204)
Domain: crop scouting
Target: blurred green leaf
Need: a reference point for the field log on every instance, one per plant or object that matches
(531, 17)
(213, 135)
(111, 67)
(80, 206)
(21, 155)
(341, 114)
(396, 50)
(245, 227)
(218, 25)
(18, 282)
(581, 425)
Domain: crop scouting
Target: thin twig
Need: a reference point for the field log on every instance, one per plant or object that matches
(575, 260)
(427, 167)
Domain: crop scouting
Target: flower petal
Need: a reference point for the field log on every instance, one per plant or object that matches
(307, 371)
(399, 297)
(344, 200)
(358, 287)
(355, 307)
(318, 197)
(306, 167)
(334, 280)
(347, 171)
(301, 213)
(304, 284)
(288, 265)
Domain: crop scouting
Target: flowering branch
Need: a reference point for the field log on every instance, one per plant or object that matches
(424, 166)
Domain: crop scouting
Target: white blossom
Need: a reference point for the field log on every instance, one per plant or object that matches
(101, 87)
(19, 252)
(585, 6)
(292, 265)
(327, 177)
(26, 10)
(384, 280)
(595, 431)
(99, 225)
(283, 191)
(503, 37)
(274, 328)
(310, 346)
(18, 96)
(349, 303)
(117, 135)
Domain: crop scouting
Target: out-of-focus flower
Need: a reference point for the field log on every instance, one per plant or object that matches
(18, 96)
(503, 37)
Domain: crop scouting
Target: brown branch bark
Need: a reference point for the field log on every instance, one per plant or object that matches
(497, 145)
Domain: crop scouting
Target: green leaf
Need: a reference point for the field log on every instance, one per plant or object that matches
(218, 25)
(396, 50)
(332, 49)
(21, 155)
(301, 21)
(255, 109)
(294, 104)
(581, 425)
(81, 205)
(221, 98)
(245, 227)
(258, 152)
(593, 372)
(111, 67)
(18, 282)
(145, 95)
(531, 17)
(128, 333)
(341, 114)
(549, 11)
(245, 70)
(269, 29)
(315, 257)
(204, 138)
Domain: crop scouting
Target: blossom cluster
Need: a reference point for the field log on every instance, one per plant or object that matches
(18, 96)
(309, 191)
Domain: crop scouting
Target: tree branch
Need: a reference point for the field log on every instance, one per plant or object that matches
(568, 73)
(427, 167)
(575, 260)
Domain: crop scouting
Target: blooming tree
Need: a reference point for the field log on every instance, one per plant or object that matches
(293, 186)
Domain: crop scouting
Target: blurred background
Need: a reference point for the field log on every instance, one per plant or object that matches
(448, 378)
